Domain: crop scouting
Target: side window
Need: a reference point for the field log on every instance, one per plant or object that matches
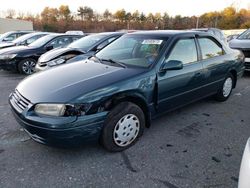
(102, 45)
(60, 42)
(20, 34)
(75, 38)
(105, 43)
(111, 39)
(32, 39)
(11, 37)
(184, 51)
(209, 48)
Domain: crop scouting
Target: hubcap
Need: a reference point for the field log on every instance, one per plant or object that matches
(126, 130)
(227, 87)
(28, 67)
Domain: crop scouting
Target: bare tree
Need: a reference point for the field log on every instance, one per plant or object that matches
(10, 13)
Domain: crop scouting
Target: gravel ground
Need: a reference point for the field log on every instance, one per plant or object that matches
(197, 146)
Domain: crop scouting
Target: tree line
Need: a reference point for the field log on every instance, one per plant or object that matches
(86, 19)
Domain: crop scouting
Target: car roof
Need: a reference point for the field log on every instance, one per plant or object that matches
(109, 33)
(63, 34)
(37, 33)
(169, 33)
(206, 29)
(22, 31)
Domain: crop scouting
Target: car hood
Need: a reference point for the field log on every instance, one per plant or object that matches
(15, 49)
(6, 44)
(239, 44)
(71, 81)
(53, 54)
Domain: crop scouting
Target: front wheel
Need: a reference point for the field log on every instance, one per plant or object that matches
(27, 66)
(124, 125)
(226, 89)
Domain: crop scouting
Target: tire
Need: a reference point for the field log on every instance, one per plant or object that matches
(124, 125)
(27, 66)
(226, 88)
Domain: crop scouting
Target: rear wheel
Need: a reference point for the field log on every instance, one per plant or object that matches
(124, 125)
(27, 66)
(226, 89)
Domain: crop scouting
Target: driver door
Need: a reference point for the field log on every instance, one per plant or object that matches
(179, 87)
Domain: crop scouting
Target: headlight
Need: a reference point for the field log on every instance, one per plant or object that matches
(50, 109)
(59, 110)
(56, 62)
(60, 60)
(7, 56)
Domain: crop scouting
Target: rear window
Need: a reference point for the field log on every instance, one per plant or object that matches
(209, 48)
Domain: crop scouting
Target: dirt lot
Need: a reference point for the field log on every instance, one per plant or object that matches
(197, 146)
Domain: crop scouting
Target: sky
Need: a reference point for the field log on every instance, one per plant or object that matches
(172, 7)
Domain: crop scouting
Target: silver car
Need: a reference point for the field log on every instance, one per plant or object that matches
(242, 43)
(244, 178)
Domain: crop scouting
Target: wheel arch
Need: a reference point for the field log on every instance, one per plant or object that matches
(137, 99)
(234, 73)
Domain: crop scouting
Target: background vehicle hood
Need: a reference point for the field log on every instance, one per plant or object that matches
(53, 54)
(239, 44)
(15, 49)
(6, 44)
(71, 81)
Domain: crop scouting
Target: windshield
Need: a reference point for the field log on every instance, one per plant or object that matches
(42, 41)
(137, 50)
(245, 35)
(86, 42)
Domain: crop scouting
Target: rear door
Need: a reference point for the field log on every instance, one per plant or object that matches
(214, 61)
(179, 87)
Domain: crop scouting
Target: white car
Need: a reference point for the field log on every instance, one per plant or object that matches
(244, 178)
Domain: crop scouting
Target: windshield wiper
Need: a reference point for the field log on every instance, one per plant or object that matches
(115, 62)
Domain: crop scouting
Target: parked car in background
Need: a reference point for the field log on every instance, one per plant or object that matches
(24, 58)
(23, 40)
(242, 42)
(113, 95)
(12, 35)
(87, 45)
(231, 37)
(214, 31)
(244, 177)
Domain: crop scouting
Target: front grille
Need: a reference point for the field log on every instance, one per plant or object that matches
(19, 102)
(246, 53)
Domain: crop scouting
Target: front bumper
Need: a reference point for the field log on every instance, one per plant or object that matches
(244, 177)
(8, 64)
(62, 131)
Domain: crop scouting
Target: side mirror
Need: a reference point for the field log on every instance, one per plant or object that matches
(48, 48)
(172, 65)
